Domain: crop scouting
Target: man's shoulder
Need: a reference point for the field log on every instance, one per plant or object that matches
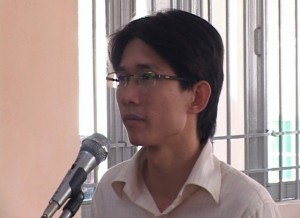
(238, 190)
(243, 186)
(114, 171)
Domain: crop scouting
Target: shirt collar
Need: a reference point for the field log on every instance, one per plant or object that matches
(206, 174)
(130, 174)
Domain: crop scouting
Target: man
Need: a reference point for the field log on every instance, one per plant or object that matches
(169, 74)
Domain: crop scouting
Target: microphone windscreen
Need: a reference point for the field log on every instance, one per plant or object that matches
(97, 145)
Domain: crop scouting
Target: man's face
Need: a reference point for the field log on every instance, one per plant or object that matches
(154, 114)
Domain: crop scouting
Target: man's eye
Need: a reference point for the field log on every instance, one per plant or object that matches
(148, 76)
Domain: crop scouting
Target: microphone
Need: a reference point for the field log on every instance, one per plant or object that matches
(90, 155)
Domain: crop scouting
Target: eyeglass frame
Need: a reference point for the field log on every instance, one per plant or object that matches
(138, 78)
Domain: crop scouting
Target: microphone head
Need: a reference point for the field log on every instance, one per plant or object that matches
(97, 145)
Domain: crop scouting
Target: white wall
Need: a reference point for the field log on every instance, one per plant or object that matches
(289, 209)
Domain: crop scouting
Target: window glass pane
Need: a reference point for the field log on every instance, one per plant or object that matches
(273, 176)
(273, 94)
(100, 64)
(232, 97)
(220, 149)
(87, 92)
(238, 154)
(288, 175)
(86, 101)
(236, 66)
(288, 89)
(218, 19)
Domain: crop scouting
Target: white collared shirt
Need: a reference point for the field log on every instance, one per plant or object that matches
(212, 190)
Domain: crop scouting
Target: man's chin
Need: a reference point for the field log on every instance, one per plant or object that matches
(136, 141)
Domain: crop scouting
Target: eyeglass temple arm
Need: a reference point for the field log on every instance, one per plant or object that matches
(111, 79)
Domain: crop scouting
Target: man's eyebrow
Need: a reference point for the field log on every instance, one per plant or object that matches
(145, 66)
(138, 67)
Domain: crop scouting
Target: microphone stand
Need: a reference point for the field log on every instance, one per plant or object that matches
(72, 206)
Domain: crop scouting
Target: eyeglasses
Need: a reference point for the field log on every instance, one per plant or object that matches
(144, 79)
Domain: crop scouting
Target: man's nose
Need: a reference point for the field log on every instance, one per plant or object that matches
(130, 94)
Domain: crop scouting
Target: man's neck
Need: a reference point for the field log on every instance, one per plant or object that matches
(166, 171)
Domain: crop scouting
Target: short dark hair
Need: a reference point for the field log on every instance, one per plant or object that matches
(191, 46)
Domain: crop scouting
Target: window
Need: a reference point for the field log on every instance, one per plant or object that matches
(258, 121)
(92, 86)
(282, 101)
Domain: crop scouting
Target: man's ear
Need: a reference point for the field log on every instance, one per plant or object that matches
(201, 92)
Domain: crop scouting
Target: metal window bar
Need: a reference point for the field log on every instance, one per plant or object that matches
(280, 99)
(209, 10)
(297, 80)
(153, 5)
(228, 93)
(95, 105)
(254, 90)
(247, 66)
(261, 53)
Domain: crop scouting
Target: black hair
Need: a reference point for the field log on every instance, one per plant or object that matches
(191, 46)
